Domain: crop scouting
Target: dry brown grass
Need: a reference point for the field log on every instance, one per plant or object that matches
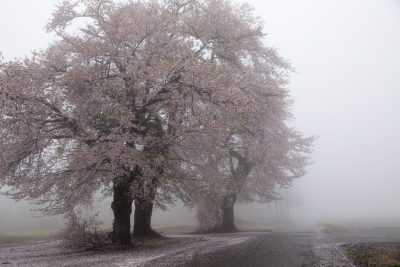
(374, 254)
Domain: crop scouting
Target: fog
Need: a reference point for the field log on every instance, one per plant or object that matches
(346, 90)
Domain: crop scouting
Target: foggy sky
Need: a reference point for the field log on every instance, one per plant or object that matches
(346, 90)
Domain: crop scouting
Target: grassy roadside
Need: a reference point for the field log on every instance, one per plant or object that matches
(175, 230)
(191, 229)
(12, 238)
(373, 254)
(22, 237)
(335, 229)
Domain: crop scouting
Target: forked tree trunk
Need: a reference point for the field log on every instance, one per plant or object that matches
(122, 209)
(228, 214)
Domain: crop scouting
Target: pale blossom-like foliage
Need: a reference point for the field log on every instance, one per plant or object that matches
(121, 98)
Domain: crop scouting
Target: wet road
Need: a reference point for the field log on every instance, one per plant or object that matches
(269, 249)
(291, 249)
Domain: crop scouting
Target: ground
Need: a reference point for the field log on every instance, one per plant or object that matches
(284, 247)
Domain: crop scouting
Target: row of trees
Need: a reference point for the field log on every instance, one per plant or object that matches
(147, 102)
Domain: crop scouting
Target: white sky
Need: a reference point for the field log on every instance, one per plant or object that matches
(346, 89)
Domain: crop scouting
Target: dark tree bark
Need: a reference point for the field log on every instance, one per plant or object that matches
(144, 211)
(241, 172)
(228, 214)
(122, 209)
(142, 225)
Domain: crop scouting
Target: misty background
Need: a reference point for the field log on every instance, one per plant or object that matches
(346, 91)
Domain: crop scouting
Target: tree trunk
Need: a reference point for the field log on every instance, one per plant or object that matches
(122, 209)
(228, 215)
(142, 225)
(144, 210)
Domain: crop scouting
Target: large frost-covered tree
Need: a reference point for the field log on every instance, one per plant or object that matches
(108, 104)
(130, 94)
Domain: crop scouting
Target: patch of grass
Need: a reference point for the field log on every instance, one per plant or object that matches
(347, 252)
(192, 229)
(155, 243)
(334, 229)
(173, 230)
(373, 254)
(19, 237)
(256, 227)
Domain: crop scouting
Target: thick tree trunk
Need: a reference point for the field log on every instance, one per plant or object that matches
(144, 210)
(228, 214)
(142, 225)
(122, 209)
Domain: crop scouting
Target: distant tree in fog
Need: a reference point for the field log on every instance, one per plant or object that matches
(261, 154)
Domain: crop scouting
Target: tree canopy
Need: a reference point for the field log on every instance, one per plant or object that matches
(145, 100)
